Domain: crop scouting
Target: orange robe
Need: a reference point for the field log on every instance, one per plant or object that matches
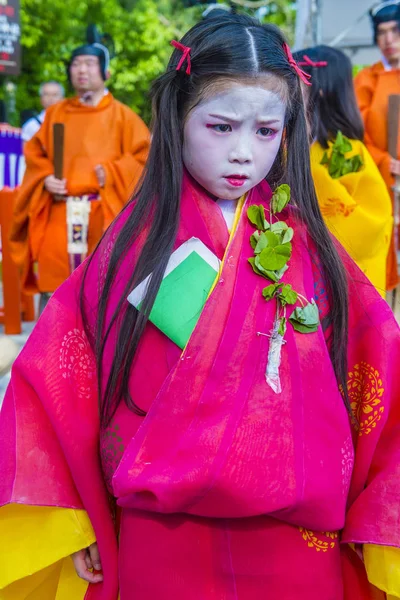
(110, 134)
(373, 87)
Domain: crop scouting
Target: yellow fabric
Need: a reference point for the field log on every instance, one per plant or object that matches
(358, 211)
(382, 564)
(45, 537)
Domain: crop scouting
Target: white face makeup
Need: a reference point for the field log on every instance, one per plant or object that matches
(231, 139)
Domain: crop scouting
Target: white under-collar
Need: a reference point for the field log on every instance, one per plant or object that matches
(386, 64)
(83, 98)
(228, 208)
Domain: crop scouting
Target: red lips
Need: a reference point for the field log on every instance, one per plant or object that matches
(236, 180)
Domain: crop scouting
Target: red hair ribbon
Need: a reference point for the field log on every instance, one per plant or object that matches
(307, 62)
(185, 56)
(305, 77)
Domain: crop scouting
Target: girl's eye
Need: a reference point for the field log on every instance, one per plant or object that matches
(223, 128)
(266, 131)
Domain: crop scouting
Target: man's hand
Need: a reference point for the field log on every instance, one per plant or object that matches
(394, 166)
(101, 175)
(88, 559)
(57, 187)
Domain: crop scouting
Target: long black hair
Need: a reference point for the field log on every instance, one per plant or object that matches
(331, 104)
(231, 46)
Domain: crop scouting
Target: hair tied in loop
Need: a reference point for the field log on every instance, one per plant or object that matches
(305, 77)
(307, 62)
(185, 56)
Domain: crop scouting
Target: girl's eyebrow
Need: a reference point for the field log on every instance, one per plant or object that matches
(269, 121)
(262, 120)
(225, 118)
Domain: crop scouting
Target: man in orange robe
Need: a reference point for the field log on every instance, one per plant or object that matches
(105, 149)
(373, 86)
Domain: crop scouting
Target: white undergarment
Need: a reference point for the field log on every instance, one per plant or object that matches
(228, 208)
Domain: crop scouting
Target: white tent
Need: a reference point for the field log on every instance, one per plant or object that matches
(344, 22)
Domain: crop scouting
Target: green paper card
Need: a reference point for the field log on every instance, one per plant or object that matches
(188, 279)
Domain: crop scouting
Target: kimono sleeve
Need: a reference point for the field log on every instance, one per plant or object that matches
(48, 425)
(373, 514)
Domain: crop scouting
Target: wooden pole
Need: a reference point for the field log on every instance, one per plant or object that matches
(58, 145)
(11, 313)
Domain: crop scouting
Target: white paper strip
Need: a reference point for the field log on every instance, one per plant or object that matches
(78, 209)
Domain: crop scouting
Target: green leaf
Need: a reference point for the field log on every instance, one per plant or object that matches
(264, 220)
(282, 326)
(347, 168)
(275, 257)
(357, 163)
(287, 295)
(279, 274)
(259, 265)
(305, 319)
(311, 313)
(279, 227)
(342, 143)
(271, 275)
(261, 244)
(264, 272)
(280, 198)
(288, 235)
(252, 261)
(256, 215)
(337, 163)
(302, 328)
(283, 230)
(272, 239)
(254, 239)
(261, 271)
(325, 159)
(270, 291)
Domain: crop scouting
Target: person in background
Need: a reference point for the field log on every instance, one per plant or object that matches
(354, 201)
(50, 93)
(373, 87)
(58, 221)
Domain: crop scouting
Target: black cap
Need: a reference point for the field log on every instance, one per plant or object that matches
(383, 13)
(95, 46)
(94, 50)
(217, 10)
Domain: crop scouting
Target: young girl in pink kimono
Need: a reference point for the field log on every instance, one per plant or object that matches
(259, 457)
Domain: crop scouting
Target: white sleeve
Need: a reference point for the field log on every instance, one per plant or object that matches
(29, 129)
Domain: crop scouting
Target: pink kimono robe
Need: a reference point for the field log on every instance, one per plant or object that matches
(225, 490)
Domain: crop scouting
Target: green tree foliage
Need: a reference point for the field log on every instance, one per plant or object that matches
(281, 13)
(141, 29)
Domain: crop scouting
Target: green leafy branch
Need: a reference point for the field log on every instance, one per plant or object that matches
(337, 163)
(272, 247)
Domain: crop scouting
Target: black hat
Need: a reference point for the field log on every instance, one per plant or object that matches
(217, 10)
(95, 46)
(383, 13)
